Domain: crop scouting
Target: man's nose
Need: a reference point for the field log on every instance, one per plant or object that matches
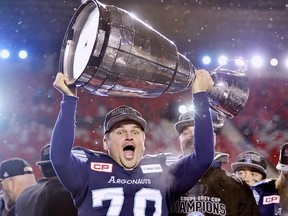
(129, 136)
(248, 177)
(190, 136)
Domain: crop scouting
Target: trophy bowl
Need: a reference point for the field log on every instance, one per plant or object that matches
(108, 51)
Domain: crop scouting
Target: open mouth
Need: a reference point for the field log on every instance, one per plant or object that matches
(129, 148)
(129, 151)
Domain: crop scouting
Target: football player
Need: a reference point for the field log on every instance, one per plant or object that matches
(123, 182)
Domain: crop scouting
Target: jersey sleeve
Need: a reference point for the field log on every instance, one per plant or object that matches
(67, 166)
(189, 169)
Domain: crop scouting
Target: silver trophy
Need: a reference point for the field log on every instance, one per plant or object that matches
(109, 52)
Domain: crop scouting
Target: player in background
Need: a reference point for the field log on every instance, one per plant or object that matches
(272, 194)
(217, 192)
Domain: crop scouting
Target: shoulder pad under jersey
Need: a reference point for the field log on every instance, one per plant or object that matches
(267, 185)
(83, 153)
(169, 158)
(265, 182)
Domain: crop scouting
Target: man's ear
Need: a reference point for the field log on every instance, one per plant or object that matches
(105, 143)
(11, 184)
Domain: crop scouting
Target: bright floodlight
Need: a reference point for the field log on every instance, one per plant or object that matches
(5, 54)
(222, 60)
(257, 61)
(286, 62)
(240, 62)
(23, 54)
(206, 60)
(273, 62)
(182, 109)
(191, 107)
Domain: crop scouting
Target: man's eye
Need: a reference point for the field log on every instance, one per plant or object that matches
(241, 173)
(187, 133)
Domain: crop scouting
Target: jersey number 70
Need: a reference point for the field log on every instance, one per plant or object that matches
(116, 195)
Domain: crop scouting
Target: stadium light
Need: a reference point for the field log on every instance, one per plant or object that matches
(222, 60)
(257, 61)
(273, 62)
(240, 62)
(4, 54)
(182, 109)
(206, 60)
(286, 62)
(22, 54)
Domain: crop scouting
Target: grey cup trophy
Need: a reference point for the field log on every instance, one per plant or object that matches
(109, 52)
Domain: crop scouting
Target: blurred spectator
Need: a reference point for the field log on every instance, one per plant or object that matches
(48, 197)
(215, 193)
(282, 181)
(16, 174)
